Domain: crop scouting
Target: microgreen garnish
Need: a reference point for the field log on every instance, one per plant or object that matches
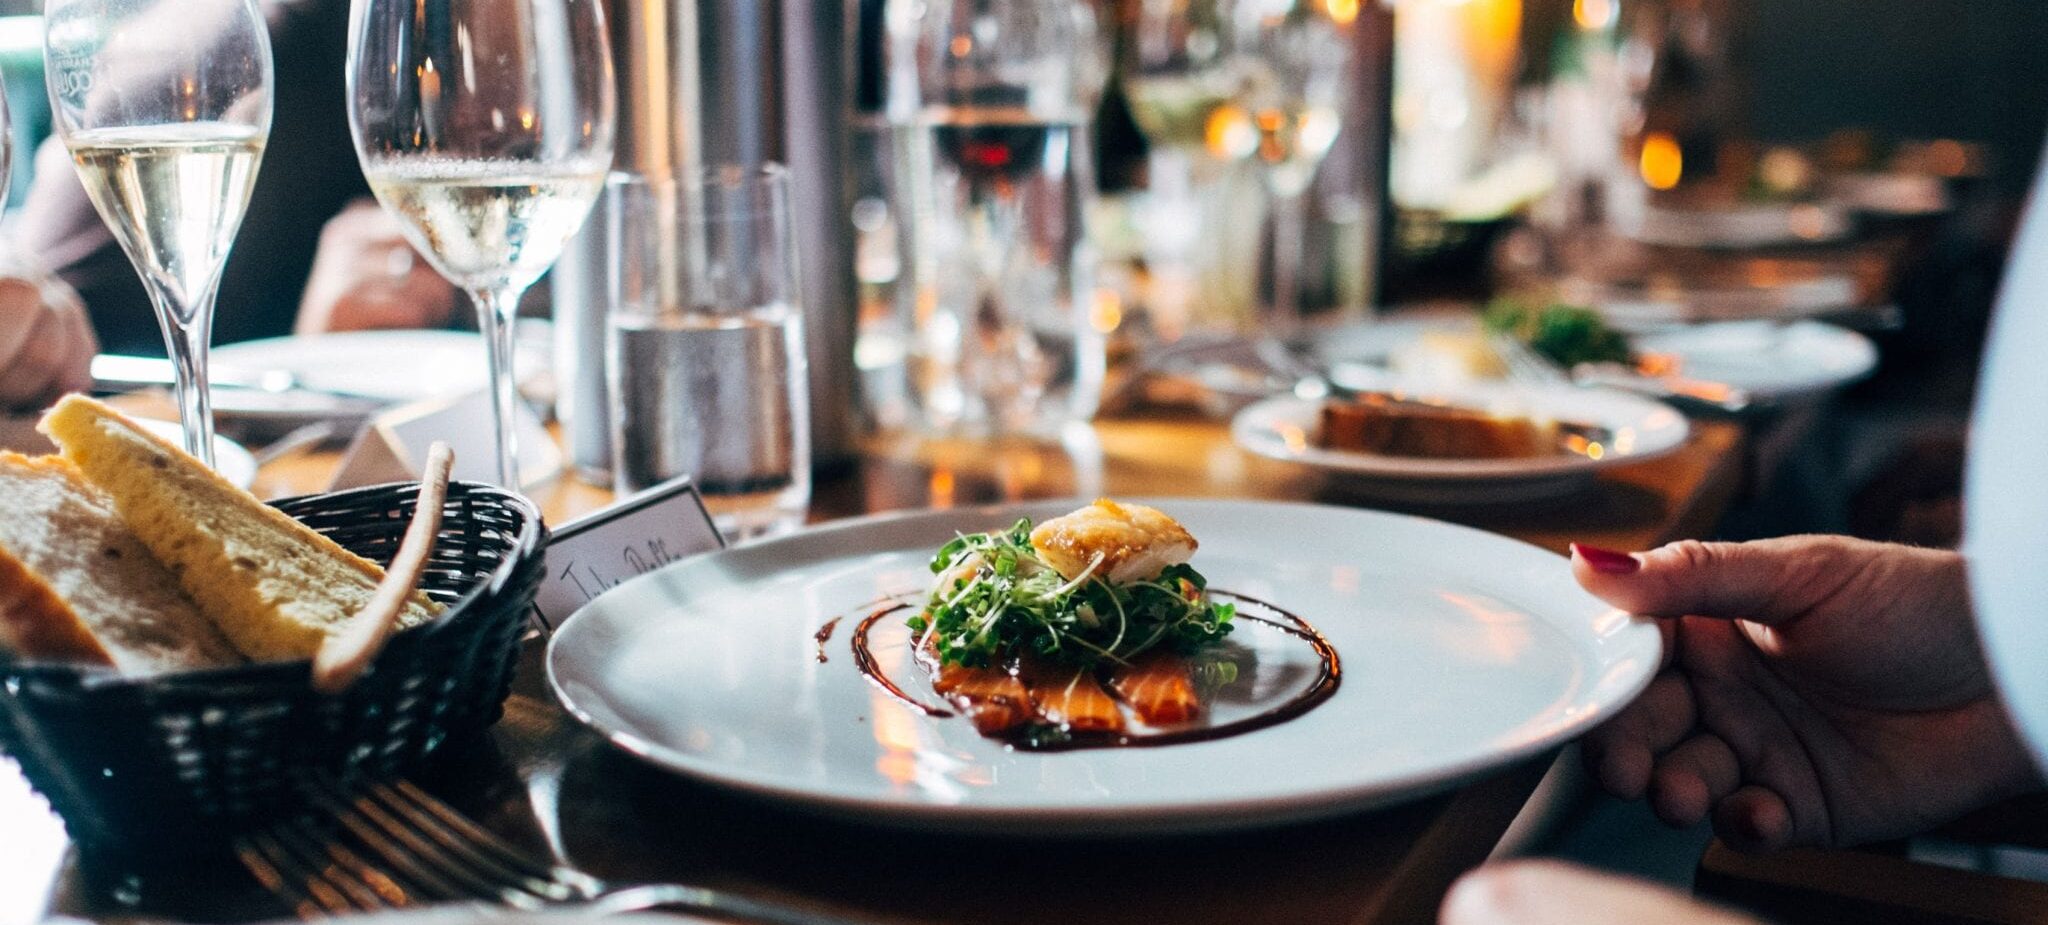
(996, 598)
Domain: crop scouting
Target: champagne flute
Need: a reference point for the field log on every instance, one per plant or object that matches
(165, 108)
(1292, 55)
(486, 127)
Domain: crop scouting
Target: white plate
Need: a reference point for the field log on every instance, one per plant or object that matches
(1284, 428)
(1461, 651)
(230, 459)
(1769, 361)
(395, 366)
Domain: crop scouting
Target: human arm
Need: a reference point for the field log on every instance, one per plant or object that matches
(46, 344)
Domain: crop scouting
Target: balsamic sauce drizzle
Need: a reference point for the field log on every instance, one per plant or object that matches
(1032, 738)
(824, 636)
(865, 659)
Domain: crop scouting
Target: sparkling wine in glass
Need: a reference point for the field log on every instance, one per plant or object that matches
(165, 108)
(486, 127)
(1291, 57)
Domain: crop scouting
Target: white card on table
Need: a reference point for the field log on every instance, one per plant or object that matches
(392, 447)
(630, 537)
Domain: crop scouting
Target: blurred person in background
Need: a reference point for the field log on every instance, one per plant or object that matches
(314, 253)
(46, 343)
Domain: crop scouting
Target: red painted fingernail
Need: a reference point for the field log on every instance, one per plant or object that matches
(1607, 561)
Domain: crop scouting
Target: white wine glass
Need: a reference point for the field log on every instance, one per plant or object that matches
(486, 127)
(165, 108)
(1291, 59)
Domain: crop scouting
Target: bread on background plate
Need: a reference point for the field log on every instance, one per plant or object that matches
(77, 585)
(273, 586)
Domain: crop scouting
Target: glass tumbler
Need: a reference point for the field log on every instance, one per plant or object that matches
(705, 345)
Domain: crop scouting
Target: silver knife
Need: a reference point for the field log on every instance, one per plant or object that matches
(117, 373)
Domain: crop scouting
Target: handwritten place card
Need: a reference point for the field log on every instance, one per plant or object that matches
(631, 537)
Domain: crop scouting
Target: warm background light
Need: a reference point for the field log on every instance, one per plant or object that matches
(1662, 162)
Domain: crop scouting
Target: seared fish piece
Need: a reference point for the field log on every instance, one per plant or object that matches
(993, 698)
(1133, 541)
(1070, 698)
(1159, 688)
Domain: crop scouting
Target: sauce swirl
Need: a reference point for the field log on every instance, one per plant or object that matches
(1037, 738)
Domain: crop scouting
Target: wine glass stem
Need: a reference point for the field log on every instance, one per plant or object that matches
(496, 311)
(188, 341)
(1290, 226)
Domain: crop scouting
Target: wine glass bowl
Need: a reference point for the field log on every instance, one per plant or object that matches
(1181, 78)
(165, 106)
(486, 127)
(1292, 55)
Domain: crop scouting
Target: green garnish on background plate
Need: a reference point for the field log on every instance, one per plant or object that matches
(1565, 334)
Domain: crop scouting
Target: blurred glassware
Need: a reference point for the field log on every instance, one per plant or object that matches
(486, 127)
(165, 108)
(993, 191)
(1291, 57)
(6, 145)
(1182, 82)
(28, 102)
(705, 346)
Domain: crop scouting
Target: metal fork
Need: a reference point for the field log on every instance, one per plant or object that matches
(394, 846)
(1528, 367)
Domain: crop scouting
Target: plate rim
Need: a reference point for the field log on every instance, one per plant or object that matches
(1090, 820)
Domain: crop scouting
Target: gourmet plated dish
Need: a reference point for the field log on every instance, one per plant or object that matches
(1090, 629)
(123, 552)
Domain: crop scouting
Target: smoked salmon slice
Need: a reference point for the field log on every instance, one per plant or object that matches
(993, 698)
(1159, 688)
(1071, 698)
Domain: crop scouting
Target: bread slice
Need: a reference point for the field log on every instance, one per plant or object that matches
(76, 585)
(273, 586)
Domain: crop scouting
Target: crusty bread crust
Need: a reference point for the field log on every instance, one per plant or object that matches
(276, 593)
(35, 622)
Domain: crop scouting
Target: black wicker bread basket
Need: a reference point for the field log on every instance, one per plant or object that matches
(182, 758)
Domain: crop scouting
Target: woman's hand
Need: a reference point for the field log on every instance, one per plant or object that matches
(1552, 893)
(1817, 690)
(366, 275)
(46, 343)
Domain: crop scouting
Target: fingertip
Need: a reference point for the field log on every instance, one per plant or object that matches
(1678, 798)
(1623, 768)
(1754, 819)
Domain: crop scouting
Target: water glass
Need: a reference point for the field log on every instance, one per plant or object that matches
(705, 347)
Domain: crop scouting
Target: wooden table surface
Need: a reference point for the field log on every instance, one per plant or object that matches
(545, 779)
